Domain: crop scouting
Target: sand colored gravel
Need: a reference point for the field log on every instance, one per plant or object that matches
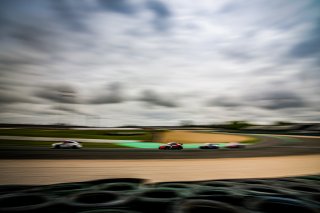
(57, 171)
(196, 137)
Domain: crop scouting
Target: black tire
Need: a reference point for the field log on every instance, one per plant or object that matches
(184, 189)
(265, 190)
(110, 211)
(62, 189)
(119, 187)
(269, 204)
(7, 189)
(95, 200)
(74, 147)
(57, 147)
(157, 200)
(218, 184)
(303, 189)
(195, 206)
(25, 202)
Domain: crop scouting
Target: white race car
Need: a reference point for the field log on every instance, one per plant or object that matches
(67, 144)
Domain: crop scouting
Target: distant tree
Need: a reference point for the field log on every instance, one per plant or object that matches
(237, 125)
(282, 123)
(186, 123)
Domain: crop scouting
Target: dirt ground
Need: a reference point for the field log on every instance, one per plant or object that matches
(57, 171)
(195, 137)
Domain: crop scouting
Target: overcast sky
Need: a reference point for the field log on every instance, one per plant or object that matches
(146, 62)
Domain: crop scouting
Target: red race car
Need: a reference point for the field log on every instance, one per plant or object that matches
(235, 145)
(172, 145)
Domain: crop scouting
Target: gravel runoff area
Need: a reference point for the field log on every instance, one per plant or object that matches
(199, 137)
(56, 171)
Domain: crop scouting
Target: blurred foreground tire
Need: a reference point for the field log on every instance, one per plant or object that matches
(109, 211)
(265, 190)
(6, 189)
(61, 189)
(205, 206)
(95, 200)
(281, 205)
(157, 200)
(219, 184)
(25, 202)
(122, 188)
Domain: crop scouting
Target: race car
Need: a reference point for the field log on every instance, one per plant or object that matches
(209, 146)
(235, 145)
(172, 145)
(67, 144)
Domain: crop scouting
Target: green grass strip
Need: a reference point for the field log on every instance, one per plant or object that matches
(70, 133)
(19, 143)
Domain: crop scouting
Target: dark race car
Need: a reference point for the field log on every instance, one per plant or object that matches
(209, 146)
(172, 145)
(235, 145)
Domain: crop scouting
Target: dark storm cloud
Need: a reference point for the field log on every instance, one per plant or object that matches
(225, 102)
(161, 14)
(153, 98)
(271, 100)
(9, 62)
(19, 22)
(126, 7)
(33, 36)
(112, 94)
(309, 46)
(10, 97)
(71, 13)
(58, 94)
(159, 9)
(68, 109)
(118, 6)
(280, 100)
(236, 54)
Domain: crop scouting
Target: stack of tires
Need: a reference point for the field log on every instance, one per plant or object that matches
(129, 195)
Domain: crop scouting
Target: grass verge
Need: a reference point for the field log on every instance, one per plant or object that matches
(19, 143)
(70, 133)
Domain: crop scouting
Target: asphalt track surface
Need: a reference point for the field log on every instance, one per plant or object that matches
(268, 146)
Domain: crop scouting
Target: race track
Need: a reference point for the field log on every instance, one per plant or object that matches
(267, 147)
(273, 156)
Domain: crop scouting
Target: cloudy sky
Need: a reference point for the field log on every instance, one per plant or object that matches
(155, 62)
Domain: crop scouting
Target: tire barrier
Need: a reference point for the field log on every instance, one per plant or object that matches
(156, 200)
(25, 202)
(172, 185)
(204, 206)
(182, 188)
(120, 187)
(61, 189)
(130, 195)
(260, 190)
(219, 183)
(95, 200)
(280, 205)
(110, 211)
(6, 189)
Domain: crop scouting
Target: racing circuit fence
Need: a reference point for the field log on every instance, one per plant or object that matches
(130, 195)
